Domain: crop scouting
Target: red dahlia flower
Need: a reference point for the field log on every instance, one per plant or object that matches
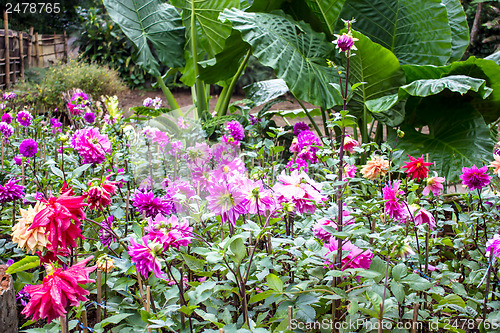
(417, 168)
(56, 219)
(57, 291)
(100, 196)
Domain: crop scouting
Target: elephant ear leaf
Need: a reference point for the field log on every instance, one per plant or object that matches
(295, 52)
(457, 136)
(150, 22)
(459, 29)
(416, 31)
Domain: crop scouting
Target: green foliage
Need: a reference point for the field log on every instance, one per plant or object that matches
(95, 80)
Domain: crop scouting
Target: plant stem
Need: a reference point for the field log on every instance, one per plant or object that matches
(488, 275)
(201, 102)
(169, 96)
(309, 116)
(381, 313)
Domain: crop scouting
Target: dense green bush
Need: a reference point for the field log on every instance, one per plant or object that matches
(94, 79)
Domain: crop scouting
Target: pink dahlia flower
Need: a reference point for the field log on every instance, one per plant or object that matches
(474, 177)
(297, 164)
(299, 189)
(145, 257)
(493, 244)
(394, 206)
(91, 145)
(350, 143)
(355, 257)
(434, 185)
(257, 199)
(10, 191)
(227, 201)
(169, 231)
(147, 203)
(422, 216)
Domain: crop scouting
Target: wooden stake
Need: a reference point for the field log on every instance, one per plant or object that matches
(415, 317)
(55, 46)
(2, 152)
(22, 172)
(7, 49)
(84, 321)
(99, 295)
(37, 49)
(148, 303)
(20, 34)
(290, 314)
(65, 39)
(30, 48)
(63, 325)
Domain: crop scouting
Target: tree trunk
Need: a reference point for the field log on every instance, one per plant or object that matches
(8, 307)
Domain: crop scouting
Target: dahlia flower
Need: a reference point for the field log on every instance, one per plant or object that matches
(434, 185)
(475, 178)
(227, 201)
(105, 263)
(147, 203)
(169, 231)
(493, 244)
(105, 236)
(6, 129)
(24, 118)
(355, 257)
(236, 130)
(394, 205)
(417, 168)
(148, 102)
(299, 128)
(89, 117)
(422, 216)
(375, 167)
(257, 199)
(229, 171)
(10, 191)
(56, 219)
(91, 145)
(175, 147)
(350, 143)
(145, 257)
(99, 196)
(496, 164)
(299, 189)
(297, 164)
(161, 138)
(307, 145)
(345, 42)
(6, 118)
(325, 235)
(199, 154)
(9, 95)
(349, 171)
(28, 148)
(29, 239)
(58, 290)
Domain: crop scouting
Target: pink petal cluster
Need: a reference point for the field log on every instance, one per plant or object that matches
(493, 244)
(422, 216)
(227, 201)
(355, 257)
(434, 185)
(299, 189)
(474, 177)
(58, 290)
(394, 206)
(145, 256)
(258, 200)
(325, 235)
(91, 145)
(169, 231)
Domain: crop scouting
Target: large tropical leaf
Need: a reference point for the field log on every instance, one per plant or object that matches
(474, 67)
(459, 29)
(211, 33)
(365, 66)
(458, 136)
(495, 57)
(150, 21)
(327, 11)
(416, 31)
(265, 6)
(295, 52)
(422, 88)
(265, 91)
(226, 63)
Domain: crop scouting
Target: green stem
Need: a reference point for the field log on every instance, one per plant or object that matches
(325, 125)
(221, 99)
(169, 96)
(201, 101)
(227, 98)
(309, 116)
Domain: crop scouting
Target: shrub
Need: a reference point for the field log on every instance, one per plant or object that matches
(94, 79)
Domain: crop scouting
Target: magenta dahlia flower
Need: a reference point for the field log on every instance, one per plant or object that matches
(308, 144)
(105, 236)
(24, 118)
(236, 130)
(89, 117)
(169, 231)
(91, 145)
(258, 200)
(148, 102)
(7, 118)
(227, 201)
(145, 257)
(147, 203)
(9, 95)
(394, 206)
(345, 42)
(28, 148)
(434, 185)
(297, 164)
(475, 178)
(6, 129)
(355, 257)
(175, 147)
(229, 171)
(10, 191)
(299, 128)
(422, 216)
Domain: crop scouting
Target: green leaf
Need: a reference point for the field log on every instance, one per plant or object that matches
(274, 282)
(416, 31)
(78, 171)
(238, 250)
(56, 171)
(327, 11)
(265, 91)
(459, 28)
(416, 282)
(380, 80)
(458, 137)
(24, 264)
(295, 52)
(398, 291)
(147, 22)
(211, 33)
(149, 112)
(292, 114)
(399, 271)
(115, 319)
(226, 63)
(451, 301)
(193, 263)
(260, 296)
(495, 57)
